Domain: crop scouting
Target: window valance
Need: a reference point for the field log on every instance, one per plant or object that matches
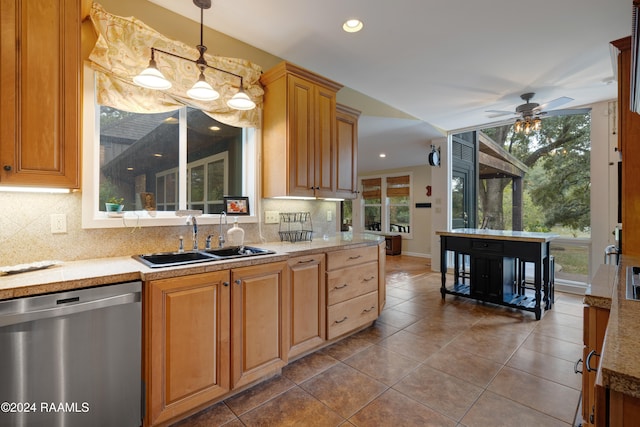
(123, 49)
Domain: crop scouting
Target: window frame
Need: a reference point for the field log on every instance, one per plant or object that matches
(93, 218)
(386, 205)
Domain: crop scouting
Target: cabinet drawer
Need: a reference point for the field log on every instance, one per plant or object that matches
(351, 282)
(351, 314)
(487, 245)
(347, 257)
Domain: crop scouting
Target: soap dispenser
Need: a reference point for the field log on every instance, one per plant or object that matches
(235, 235)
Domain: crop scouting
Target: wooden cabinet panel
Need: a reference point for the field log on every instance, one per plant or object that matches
(299, 133)
(629, 130)
(347, 152)
(595, 321)
(382, 276)
(187, 343)
(351, 314)
(40, 93)
(347, 283)
(259, 346)
(306, 302)
(349, 257)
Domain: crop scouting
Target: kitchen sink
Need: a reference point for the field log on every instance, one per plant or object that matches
(633, 283)
(237, 252)
(172, 259)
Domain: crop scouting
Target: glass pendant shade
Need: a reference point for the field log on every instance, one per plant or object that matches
(241, 101)
(518, 126)
(152, 78)
(202, 91)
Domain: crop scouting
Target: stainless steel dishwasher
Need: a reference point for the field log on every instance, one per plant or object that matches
(72, 358)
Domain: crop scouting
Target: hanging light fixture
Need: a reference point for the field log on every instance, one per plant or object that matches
(527, 124)
(152, 78)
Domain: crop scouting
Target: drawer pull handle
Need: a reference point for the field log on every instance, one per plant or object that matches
(340, 321)
(575, 367)
(341, 286)
(587, 363)
(355, 257)
(306, 261)
(369, 310)
(369, 279)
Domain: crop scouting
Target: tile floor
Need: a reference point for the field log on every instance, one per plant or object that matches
(426, 363)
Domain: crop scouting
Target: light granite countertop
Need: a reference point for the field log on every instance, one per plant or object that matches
(522, 236)
(103, 271)
(600, 290)
(619, 365)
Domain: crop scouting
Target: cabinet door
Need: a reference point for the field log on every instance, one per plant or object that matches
(40, 93)
(187, 349)
(382, 278)
(324, 165)
(258, 321)
(347, 148)
(301, 134)
(306, 302)
(490, 277)
(595, 321)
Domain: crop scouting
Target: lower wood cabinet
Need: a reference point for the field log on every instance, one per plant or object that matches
(306, 303)
(258, 340)
(187, 343)
(595, 321)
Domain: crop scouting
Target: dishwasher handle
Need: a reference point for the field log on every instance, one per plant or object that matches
(29, 316)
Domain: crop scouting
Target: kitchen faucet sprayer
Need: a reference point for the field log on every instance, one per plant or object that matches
(191, 220)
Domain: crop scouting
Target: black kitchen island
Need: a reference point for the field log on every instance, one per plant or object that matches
(492, 266)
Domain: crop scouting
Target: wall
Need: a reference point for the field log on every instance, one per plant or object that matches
(25, 229)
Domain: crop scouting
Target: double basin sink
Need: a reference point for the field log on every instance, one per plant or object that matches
(173, 259)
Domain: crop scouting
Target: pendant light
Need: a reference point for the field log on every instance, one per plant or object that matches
(152, 78)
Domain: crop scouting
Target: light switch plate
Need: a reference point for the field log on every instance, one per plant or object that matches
(58, 223)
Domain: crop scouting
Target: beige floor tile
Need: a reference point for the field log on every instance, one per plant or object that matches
(563, 319)
(464, 365)
(487, 345)
(395, 409)
(555, 347)
(551, 398)
(492, 410)
(555, 330)
(344, 389)
(305, 368)
(546, 366)
(413, 346)
(347, 347)
(382, 364)
(397, 318)
(442, 392)
(437, 331)
(293, 408)
(377, 332)
(393, 301)
(217, 415)
(259, 394)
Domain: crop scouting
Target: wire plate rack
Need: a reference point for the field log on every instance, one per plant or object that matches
(295, 226)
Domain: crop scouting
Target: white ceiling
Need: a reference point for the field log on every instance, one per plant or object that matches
(444, 62)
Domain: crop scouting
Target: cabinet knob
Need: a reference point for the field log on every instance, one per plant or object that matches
(225, 283)
(238, 282)
(7, 168)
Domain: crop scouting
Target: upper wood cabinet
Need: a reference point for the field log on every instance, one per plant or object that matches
(299, 133)
(629, 146)
(40, 93)
(347, 149)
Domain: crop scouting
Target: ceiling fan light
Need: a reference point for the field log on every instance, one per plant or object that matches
(152, 78)
(537, 123)
(241, 101)
(527, 127)
(518, 126)
(202, 91)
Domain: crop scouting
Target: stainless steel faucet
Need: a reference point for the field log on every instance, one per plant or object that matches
(221, 236)
(191, 220)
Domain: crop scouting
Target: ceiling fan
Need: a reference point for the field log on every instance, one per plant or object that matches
(528, 115)
(533, 109)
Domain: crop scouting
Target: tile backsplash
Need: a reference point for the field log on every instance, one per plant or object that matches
(25, 229)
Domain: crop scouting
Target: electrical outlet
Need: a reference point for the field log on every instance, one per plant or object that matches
(329, 216)
(58, 223)
(271, 217)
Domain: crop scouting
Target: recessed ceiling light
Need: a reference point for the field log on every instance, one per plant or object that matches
(352, 25)
(129, 168)
(382, 155)
(214, 128)
(157, 155)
